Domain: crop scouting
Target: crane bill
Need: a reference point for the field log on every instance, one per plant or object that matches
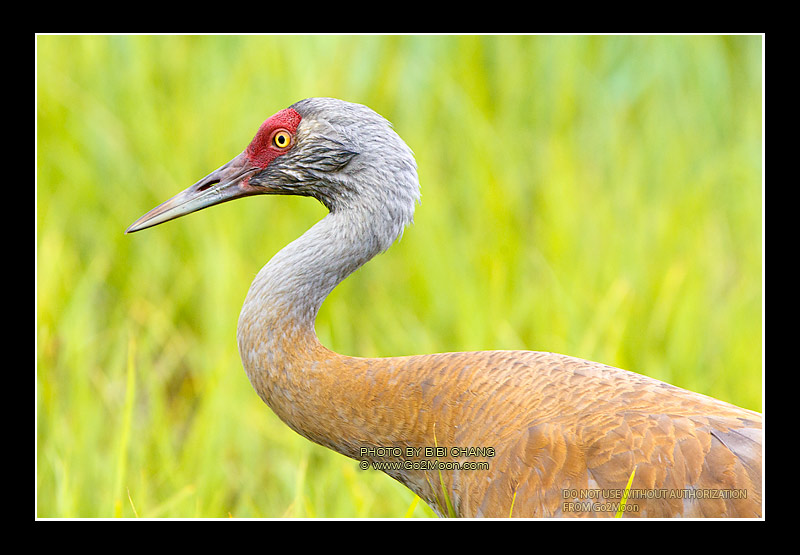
(228, 182)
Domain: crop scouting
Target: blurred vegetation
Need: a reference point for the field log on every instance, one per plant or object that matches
(598, 196)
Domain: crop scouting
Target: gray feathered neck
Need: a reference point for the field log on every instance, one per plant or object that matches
(350, 159)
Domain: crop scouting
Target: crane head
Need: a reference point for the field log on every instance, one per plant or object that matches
(335, 151)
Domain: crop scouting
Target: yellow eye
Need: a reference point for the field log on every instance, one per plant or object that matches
(282, 139)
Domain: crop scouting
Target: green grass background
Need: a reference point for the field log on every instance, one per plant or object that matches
(598, 196)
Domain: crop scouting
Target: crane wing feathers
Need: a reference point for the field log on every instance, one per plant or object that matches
(562, 425)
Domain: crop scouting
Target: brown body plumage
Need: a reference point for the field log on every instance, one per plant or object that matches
(555, 424)
(515, 433)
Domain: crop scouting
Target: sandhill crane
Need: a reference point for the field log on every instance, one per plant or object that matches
(492, 434)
